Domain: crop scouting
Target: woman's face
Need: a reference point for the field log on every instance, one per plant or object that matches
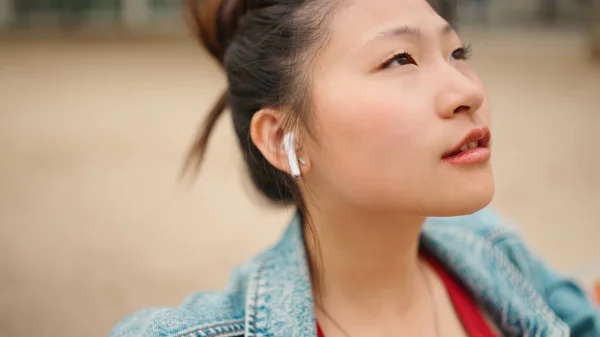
(392, 95)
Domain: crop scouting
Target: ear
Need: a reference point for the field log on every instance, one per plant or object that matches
(266, 132)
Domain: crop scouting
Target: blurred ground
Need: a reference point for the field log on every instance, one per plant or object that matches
(93, 224)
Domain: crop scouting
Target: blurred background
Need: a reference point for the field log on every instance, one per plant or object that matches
(100, 99)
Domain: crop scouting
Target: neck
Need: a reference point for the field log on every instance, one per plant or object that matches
(363, 259)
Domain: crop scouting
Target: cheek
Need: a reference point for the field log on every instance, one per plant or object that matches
(371, 128)
(372, 140)
(365, 123)
(376, 119)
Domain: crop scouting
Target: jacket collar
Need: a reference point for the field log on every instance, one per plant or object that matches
(279, 298)
(491, 277)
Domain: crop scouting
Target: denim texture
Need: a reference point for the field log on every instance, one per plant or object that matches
(271, 296)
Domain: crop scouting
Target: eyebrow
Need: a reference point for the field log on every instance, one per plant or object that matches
(409, 31)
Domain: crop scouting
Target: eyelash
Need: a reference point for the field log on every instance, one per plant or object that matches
(395, 58)
(465, 54)
(465, 50)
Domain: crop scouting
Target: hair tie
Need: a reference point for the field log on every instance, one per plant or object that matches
(228, 17)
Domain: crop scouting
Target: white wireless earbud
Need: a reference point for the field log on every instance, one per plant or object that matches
(290, 150)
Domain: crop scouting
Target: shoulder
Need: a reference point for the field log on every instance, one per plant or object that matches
(201, 314)
(493, 231)
(487, 230)
(500, 237)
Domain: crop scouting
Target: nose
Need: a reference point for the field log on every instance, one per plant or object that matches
(458, 92)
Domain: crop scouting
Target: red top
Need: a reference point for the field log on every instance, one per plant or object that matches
(472, 320)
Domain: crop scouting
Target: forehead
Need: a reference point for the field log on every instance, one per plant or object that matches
(389, 8)
(358, 21)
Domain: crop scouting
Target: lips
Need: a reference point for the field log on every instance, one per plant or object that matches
(476, 138)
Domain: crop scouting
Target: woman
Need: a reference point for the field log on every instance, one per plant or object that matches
(365, 116)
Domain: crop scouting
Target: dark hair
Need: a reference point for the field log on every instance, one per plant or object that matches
(265, 47)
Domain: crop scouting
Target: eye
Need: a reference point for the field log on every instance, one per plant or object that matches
(462, 53)
(398, 60)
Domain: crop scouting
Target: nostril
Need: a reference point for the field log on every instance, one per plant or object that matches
(462, 108)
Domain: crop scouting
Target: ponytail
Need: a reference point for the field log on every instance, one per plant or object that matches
(197, 151)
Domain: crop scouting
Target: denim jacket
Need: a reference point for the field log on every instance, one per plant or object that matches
(271, 294)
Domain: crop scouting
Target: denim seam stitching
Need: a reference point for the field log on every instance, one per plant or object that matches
(520, 281)
(220, 334)
(499, 234)
(232, 323)
(251, 319)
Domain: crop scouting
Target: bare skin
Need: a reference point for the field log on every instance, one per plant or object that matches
(392, 94)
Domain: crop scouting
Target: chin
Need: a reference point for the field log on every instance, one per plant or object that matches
(470, 207)
(459, 209)
(462, 200)
(467, 192)
(469, 204)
